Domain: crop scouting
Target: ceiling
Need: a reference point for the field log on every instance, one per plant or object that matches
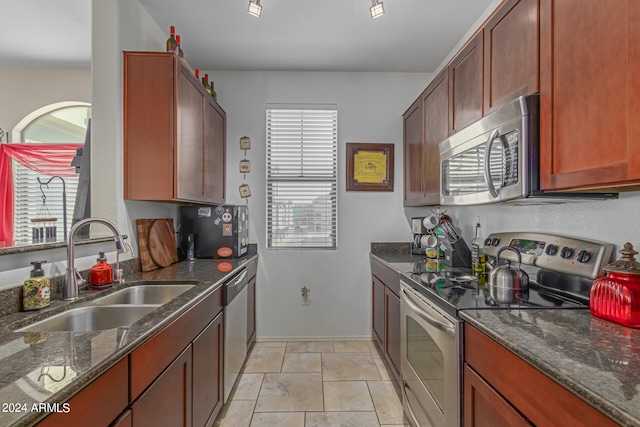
(292, 35)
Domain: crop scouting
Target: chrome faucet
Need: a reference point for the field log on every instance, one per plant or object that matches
(70, 289)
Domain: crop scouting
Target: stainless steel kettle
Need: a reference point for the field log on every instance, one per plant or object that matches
(506, 281)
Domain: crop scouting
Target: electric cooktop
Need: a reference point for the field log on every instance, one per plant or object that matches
(561, 270)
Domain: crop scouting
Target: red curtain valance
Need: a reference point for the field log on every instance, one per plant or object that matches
(46, 159)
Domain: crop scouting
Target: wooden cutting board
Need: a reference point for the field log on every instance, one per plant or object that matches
(161, 242)
(161, 249)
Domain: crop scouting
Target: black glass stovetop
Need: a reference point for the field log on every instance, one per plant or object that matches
(458, 289)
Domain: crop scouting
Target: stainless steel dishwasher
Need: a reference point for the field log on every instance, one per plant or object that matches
(234, 297)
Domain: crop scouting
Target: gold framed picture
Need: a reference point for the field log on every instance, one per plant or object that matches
(369, 167)
(245, 191)
(245, 166)
(245, 143)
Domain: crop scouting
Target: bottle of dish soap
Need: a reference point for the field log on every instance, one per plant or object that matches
(101, 274)
(36, 291)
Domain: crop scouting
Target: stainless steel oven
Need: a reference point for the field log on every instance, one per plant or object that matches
(431, 363)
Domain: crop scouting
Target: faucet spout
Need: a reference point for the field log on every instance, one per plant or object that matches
(70, 289)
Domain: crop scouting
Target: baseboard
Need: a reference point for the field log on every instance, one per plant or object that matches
(306, 338)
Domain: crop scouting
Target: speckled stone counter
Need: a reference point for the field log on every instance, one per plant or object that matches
(53, 366)
(595, 359)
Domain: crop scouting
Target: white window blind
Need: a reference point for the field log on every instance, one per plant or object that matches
(302, 176)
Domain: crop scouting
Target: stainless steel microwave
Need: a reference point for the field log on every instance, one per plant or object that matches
(496, 159)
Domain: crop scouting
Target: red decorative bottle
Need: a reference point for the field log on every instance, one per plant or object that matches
(616, 296)
(180, 54)
(101, 274)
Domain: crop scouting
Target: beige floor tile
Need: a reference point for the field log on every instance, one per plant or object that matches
(341, 419)
(351, 346)
(265, 359)
(375, 351)
(387, 402)
(236, 413)
(278, 419)
(310, 347)
(383, 369)
(248, 387)
(302, 362)
(270, 344)
(290, 392)
(349, 366)
(347, 396)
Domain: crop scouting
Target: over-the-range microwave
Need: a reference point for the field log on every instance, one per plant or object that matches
(496, 159)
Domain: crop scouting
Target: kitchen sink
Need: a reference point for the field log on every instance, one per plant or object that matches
(93, 318)
(144, 294)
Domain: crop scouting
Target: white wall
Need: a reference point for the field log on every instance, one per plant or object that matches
(370, 107)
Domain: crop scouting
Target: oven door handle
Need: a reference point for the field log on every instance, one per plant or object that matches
(412, 415)
(421, 311)
(487, 162)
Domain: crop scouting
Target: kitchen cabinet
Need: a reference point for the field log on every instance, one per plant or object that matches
(425, 125)
(466, 84)
(99, 403)
(589, 87)
(385, 284)
(511, 46)
(207, 373)
(124, 420)
(252, 270)
(174, 133)
(168, 400)
(502, 389)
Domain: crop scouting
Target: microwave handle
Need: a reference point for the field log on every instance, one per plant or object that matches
(487, 162)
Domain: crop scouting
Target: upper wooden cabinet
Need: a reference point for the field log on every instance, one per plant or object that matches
(174, 133)
(426, 124)
(511, 46)
(466, 85)
(589, 94)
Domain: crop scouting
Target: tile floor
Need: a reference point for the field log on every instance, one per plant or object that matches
(313, 384)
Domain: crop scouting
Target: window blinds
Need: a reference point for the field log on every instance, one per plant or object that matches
(301, 176)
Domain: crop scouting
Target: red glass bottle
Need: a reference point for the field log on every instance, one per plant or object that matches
(616, 296)
(101, 274)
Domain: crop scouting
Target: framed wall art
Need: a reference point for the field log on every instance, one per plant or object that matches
(369, 167)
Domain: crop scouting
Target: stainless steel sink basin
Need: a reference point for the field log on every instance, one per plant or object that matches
(93, 318)
(144, 294)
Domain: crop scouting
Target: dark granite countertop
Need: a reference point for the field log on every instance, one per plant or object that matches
(53, 366)
(597, 360)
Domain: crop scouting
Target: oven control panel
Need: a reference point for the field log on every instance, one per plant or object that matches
(563, 254)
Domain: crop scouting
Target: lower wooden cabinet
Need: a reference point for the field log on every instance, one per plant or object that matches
(99, 403)
(168, 401)
(124, 420)
(502, 389)
(207, 373)
(385, 311)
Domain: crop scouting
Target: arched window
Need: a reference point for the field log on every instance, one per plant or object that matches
(59, 124)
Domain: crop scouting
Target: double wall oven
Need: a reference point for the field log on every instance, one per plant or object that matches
(432, 334)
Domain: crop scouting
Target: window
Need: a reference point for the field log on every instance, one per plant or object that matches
(302, 176)
(66, 125)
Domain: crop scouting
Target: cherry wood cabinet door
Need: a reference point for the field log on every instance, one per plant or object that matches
(435, 107)
(588, 49)
(207, 373)
(377, 288)
(124, 420)
(483, 406)
(167, 402)
(190, 153)
(511, 53)
(466, 84)
(413, 154)
(392, 330)
(214, 152)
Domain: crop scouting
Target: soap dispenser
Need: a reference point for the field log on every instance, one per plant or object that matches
(36, 291)
(101, 274)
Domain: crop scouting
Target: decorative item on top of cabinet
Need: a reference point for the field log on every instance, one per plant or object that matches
(589, 94)
(426, 124)
(174, 133)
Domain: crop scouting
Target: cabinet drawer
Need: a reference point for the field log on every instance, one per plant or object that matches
(152, 357)
(386, 275)
(99, 403)
(543, 401)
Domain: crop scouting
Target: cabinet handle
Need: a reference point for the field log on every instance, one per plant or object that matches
(412, 415)
(487, 162)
